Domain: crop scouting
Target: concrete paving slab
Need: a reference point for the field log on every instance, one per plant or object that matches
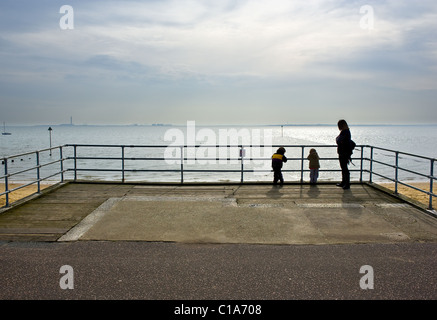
(351, 225)
(293, 214)
(247, 216)
(413, 223)
(200, 221)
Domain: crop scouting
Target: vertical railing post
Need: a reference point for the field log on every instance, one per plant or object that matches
(38, 172)
(396, 172)
(182, 164)
(122, 164)
(361, 164)
(75, 162)
(431, 183)
(6, 182)
(301, 164)
(62, 163)
(371, 165)
(242, 163)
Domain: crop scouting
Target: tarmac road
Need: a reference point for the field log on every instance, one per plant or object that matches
(174, 271)
(316, 254)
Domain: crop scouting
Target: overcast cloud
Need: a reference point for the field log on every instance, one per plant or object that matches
(219, 62)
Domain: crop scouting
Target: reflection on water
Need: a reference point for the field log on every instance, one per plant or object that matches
(413, 139)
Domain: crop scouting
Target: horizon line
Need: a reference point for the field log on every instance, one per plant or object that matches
(219, 125)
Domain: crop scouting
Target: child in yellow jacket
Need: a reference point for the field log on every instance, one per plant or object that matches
(277, 159)
(314, 165)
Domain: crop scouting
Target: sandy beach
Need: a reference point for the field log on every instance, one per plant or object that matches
(411, 193)
(19, 194)
(403, 190)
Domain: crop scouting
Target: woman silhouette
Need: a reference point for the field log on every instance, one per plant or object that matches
(344, 151)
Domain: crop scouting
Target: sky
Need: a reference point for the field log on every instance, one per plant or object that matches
(218, 61)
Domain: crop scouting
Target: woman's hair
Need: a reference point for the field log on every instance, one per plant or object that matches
(342, 124)
(281, 150)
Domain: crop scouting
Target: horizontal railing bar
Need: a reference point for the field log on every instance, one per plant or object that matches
(414, 172)
(52, 175)
(96, 158)
(205, 170)
(121, 170)
(204, 146)
(382, 176)
(415, 188)
(189, 159)
(32, 168)
(32, 182)
(18, 188)
(49, 163)
(403, 169)
(383, 163)
(221, 146)
(18, 172)
(32, 152)
(404, 153)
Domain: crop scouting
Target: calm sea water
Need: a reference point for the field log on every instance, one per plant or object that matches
(420, 140)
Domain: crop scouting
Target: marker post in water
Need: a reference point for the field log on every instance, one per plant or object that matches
(50, 137)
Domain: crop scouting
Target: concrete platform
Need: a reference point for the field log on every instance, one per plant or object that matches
(250, 214)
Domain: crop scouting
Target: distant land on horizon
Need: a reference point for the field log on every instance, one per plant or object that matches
(71, 124)
(221, 125)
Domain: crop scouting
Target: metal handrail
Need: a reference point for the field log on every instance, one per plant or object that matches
(37, 167)
(359, 155)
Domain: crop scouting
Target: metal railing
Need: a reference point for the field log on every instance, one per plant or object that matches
(367, 160)
(397, 169)
(40, 162)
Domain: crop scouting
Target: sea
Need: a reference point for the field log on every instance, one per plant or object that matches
(420, 140)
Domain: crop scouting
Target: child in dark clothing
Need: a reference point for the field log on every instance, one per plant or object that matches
(314, 165)
(277, 159)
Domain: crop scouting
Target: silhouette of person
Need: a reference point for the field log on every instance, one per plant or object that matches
(344, 151)
(314, 165)
(278, 159)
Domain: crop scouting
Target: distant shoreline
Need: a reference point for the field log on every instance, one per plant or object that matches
(158, 125)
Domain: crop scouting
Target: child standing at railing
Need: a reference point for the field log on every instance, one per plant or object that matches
(277, 159)
(314, 165)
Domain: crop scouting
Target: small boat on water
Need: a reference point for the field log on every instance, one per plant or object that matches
(4, 133)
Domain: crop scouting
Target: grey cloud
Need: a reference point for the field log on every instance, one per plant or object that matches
(127, 59)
